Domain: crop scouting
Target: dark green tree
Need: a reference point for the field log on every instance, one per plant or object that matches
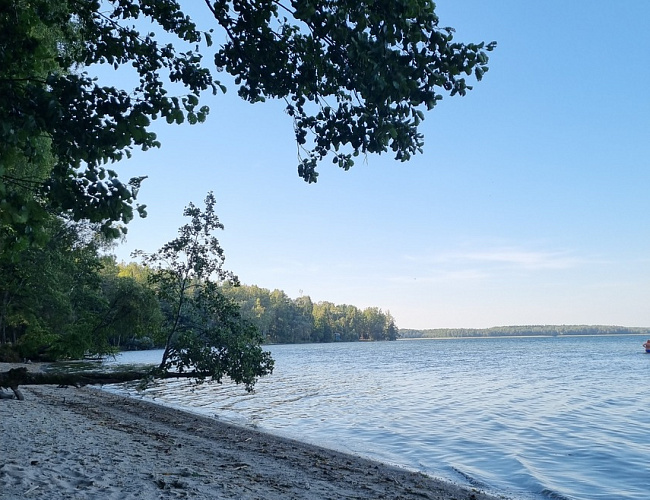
(59, 127)
(324, 322)
(132, 317)
(303, 319)
(391, 332)
(374, 326)
(52, 296)
(355, 76)
(283, 320)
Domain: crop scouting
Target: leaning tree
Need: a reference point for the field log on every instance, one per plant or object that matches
(206, 337)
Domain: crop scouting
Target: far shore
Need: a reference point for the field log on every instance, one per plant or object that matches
(530, 336)
(63, 443)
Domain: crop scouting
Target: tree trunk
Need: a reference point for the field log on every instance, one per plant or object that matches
(3, 317)
(16, 377)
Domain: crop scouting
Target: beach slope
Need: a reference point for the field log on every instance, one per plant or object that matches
(67, 443)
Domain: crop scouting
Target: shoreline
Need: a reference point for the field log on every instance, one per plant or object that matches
(571, 335)
(86, 443)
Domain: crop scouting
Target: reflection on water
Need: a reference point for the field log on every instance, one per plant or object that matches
(533, 417)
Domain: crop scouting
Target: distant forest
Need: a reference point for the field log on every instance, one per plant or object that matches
(526, 330)
(283, 320)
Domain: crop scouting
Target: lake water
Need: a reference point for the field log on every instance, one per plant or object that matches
(531, 418)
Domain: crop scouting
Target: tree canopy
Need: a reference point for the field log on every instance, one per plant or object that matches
(285, 321)
(59, 127)
(355, 77)
(354, 74)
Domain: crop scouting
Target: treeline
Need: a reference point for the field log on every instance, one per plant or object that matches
(285, 320)
(67, 299)
(525, 330)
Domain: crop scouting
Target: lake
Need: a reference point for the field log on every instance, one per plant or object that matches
(531, 418)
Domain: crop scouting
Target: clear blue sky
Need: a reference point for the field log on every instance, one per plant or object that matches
(530, 205)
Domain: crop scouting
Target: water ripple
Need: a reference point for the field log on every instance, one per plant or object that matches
(543, 418)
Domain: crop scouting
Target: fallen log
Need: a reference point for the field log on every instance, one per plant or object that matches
(16, 377)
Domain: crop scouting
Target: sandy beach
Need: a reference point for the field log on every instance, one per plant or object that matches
(68, 443)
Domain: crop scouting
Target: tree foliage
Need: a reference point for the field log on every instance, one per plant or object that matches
(132, 316)
(64, 300)
(102, 304)
(205, 333)
(283, 320)
(355, 76)
(353, 73)
(59, 127)
(67, 300)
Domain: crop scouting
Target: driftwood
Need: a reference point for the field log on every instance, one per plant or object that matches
(16, 377)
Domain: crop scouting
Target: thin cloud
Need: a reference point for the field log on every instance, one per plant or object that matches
(422, 276)
(524, 259)
(508, 257)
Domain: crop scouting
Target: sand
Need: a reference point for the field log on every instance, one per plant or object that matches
(68, 443)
